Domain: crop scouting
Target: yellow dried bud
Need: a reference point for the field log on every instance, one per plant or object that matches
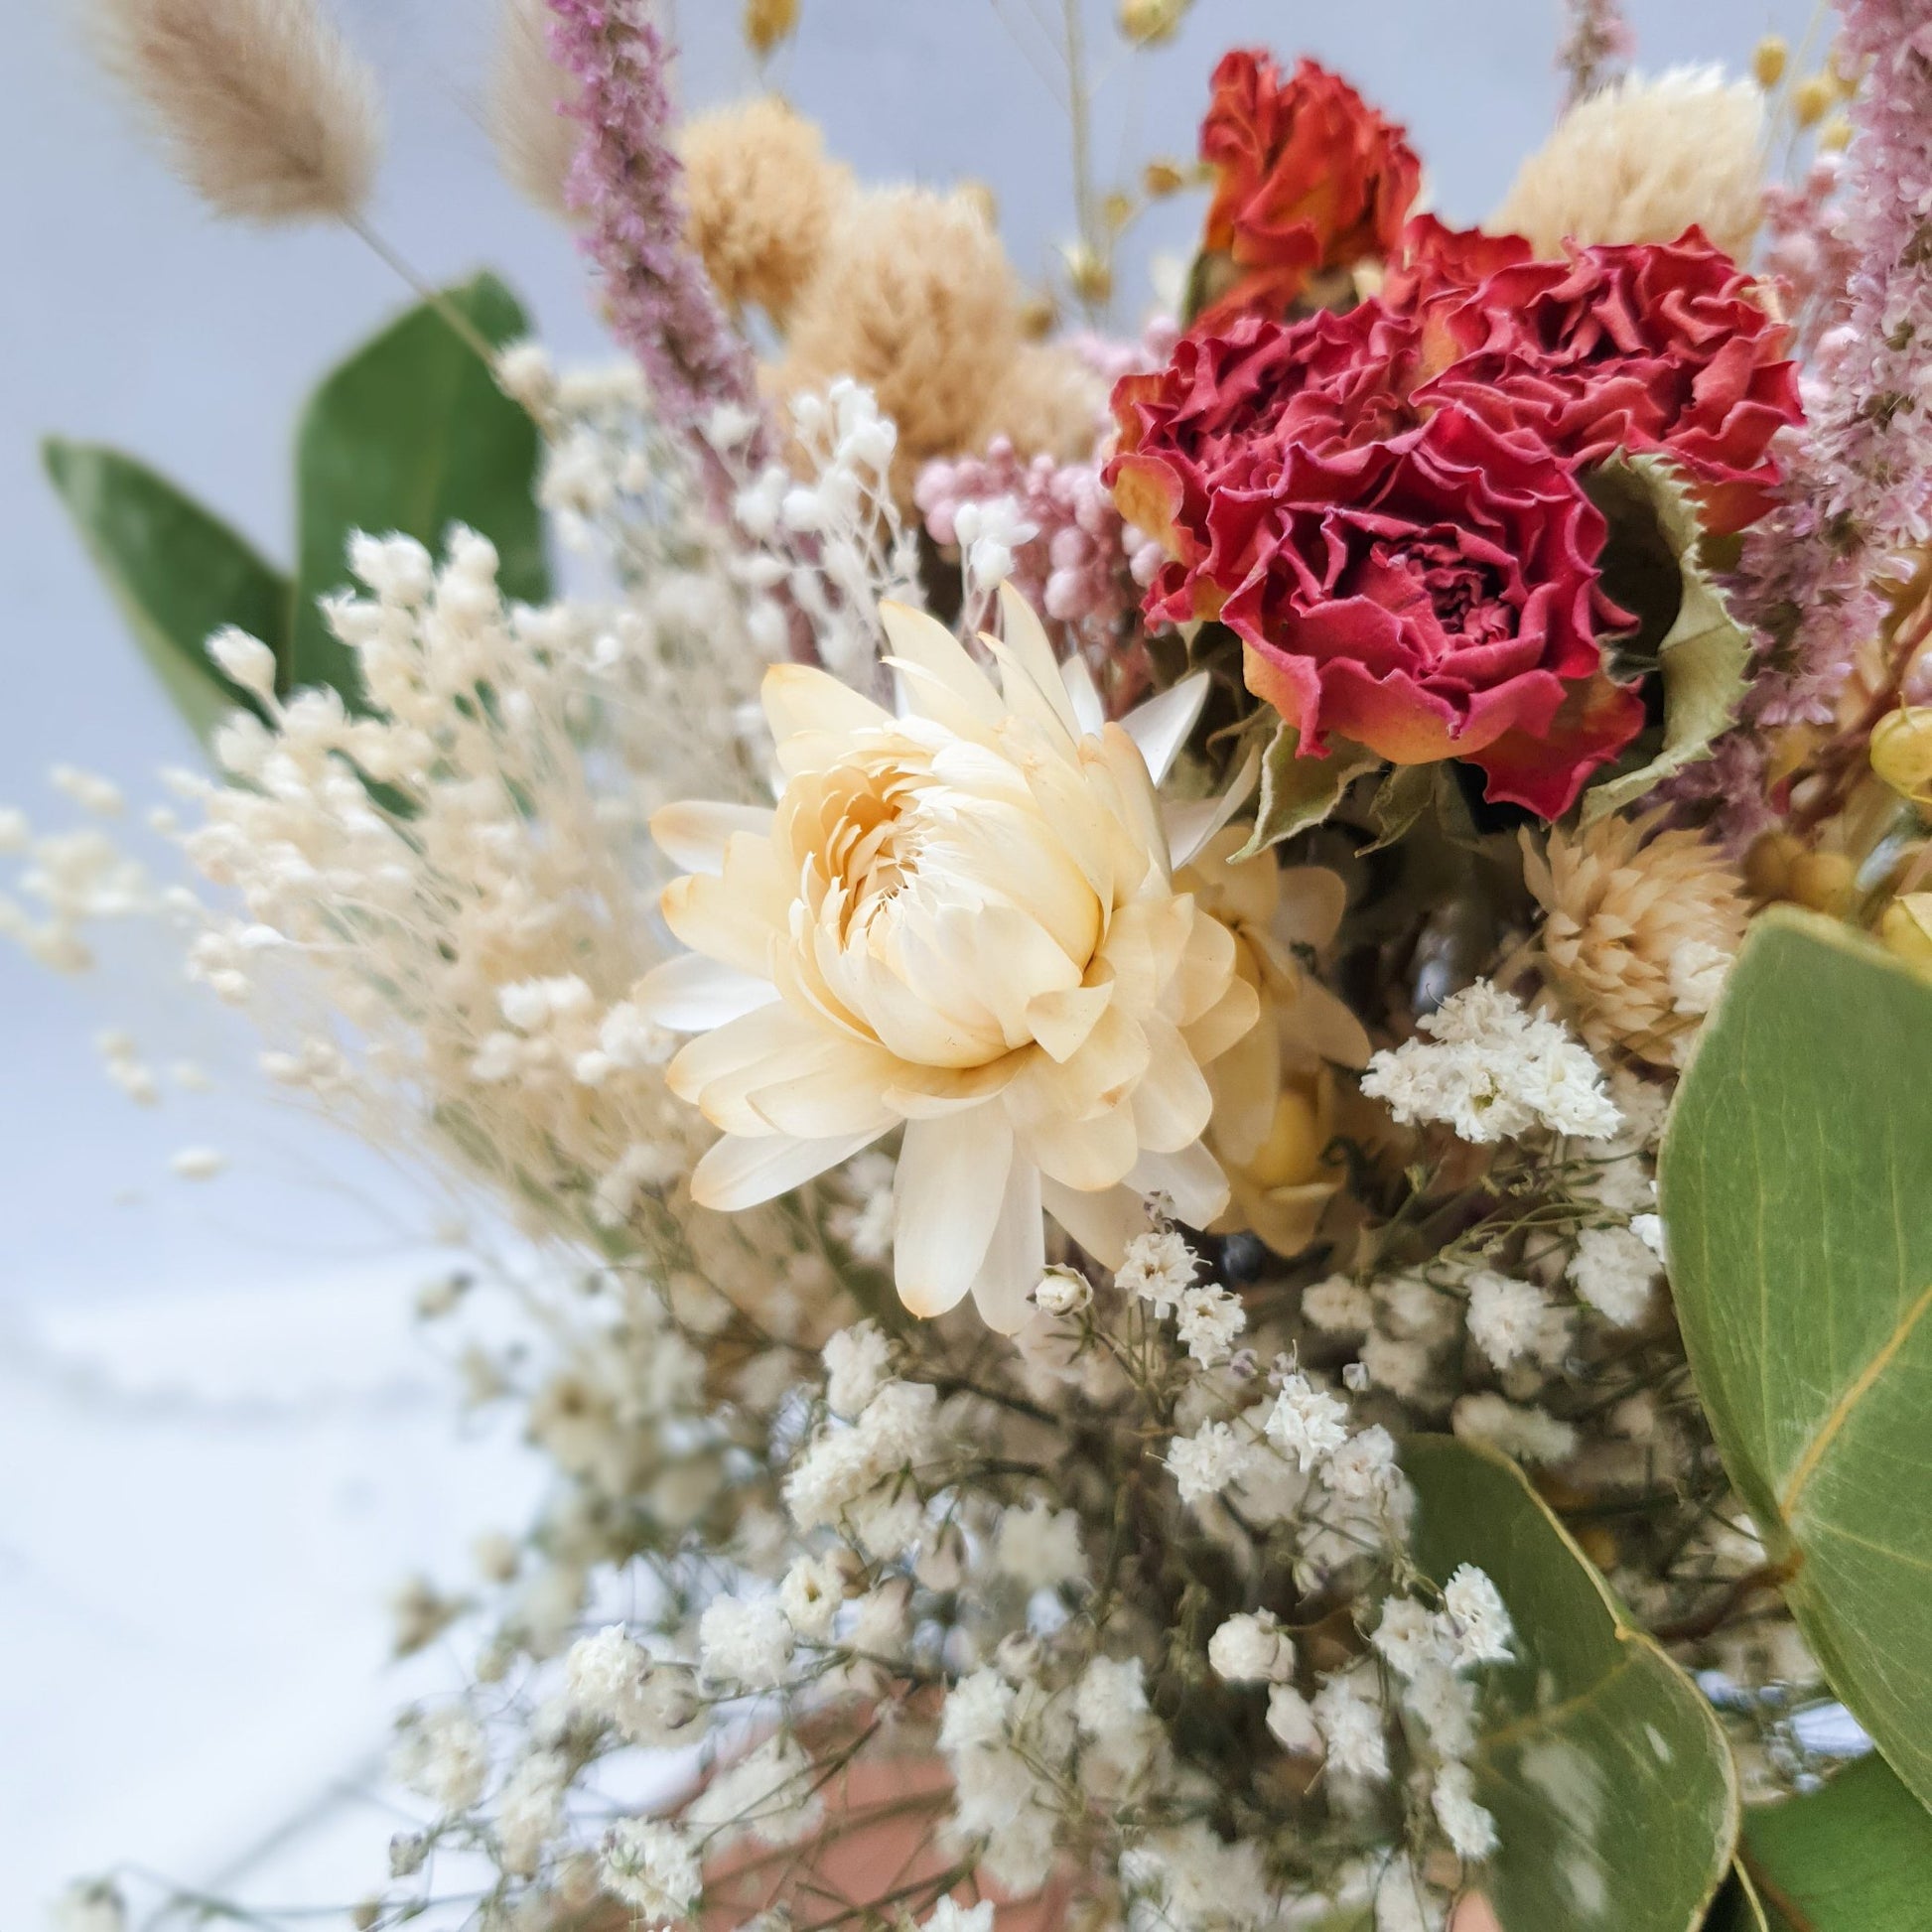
(1901, 749)
(1769, 58)
(1907, 928)
(1163, 177)
(1117, 210)
(1767, 865)
(1597, 1541)
(1039, 316)
(1823, 881)
(1091, 279)
(1811, 99)
(768, 22)
(1844, 77)
(1791, 750)
(1150, 22)
(1836, 135)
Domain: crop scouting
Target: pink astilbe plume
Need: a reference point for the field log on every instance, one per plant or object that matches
(1875, 432)
(1801, 589)
(625, 183)
(1859, 476)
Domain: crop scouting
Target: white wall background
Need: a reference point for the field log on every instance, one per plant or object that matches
(187, 1590)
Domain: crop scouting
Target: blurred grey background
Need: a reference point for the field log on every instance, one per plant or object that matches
(204, 1394)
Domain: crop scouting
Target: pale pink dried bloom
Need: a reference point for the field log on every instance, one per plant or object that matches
(1807, 252)
(1801, 589)
(1076, 568)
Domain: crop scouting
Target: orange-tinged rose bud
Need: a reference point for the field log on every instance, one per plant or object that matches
(1309, 178)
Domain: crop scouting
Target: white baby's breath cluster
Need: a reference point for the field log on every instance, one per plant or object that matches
(1493, 1070)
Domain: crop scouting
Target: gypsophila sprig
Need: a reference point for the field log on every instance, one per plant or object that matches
(1492, 1070)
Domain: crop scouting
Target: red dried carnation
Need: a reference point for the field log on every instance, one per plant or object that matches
(1309, 178)
(1636, 347)
(1435, 597)
(1432, 259)
(1213, 424)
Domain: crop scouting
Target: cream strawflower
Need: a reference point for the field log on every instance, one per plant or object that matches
(962, 919)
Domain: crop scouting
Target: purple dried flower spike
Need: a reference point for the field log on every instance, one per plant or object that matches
(625, 180)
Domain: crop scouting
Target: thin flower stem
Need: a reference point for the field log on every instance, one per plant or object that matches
(1080, 128)
(461, 324)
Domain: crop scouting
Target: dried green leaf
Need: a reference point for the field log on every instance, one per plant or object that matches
(1297, 792)
(1854, 1855)
(1700, 653)
(1405, 793)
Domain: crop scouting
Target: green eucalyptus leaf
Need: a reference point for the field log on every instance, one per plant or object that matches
(1684, 621)
(411, 434)
(1854, 1855)
(1298, 792)
(1609, 1775)
(1796, 1177)
(177, 571)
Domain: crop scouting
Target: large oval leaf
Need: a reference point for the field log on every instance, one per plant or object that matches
(1853, 1856)
(1609, 1778)
(177, 571)
(412, 434)
(1797, 1193)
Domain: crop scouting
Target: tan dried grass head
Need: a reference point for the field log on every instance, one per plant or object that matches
(261, 106)
(915, 299)
(1049, 401)
(1640, 927)
(536, 140)
(760, 201)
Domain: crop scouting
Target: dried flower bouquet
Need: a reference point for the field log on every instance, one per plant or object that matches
(1218, 1045)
